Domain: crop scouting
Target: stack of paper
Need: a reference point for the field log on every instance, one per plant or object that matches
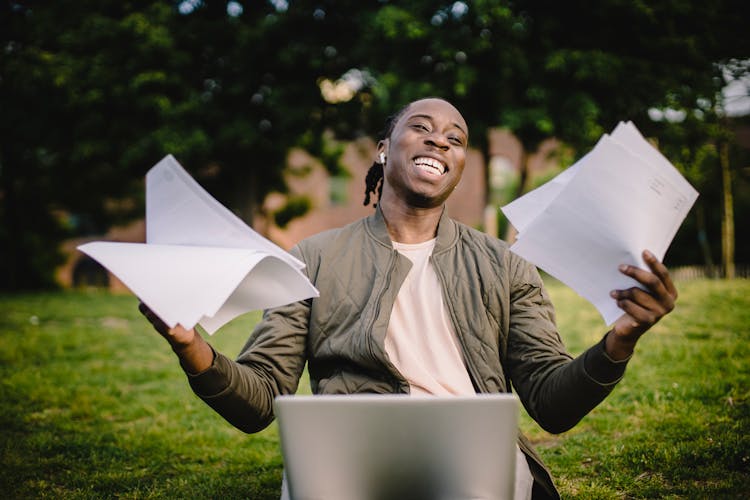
(623, 197)
(200, 263)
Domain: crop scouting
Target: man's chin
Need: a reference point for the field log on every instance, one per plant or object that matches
(426, 200)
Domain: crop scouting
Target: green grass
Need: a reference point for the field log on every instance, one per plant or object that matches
(94, 405)
(678, 425)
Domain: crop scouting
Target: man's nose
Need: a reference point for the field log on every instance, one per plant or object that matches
(438, 140)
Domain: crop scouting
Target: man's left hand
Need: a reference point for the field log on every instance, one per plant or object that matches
(643, 308)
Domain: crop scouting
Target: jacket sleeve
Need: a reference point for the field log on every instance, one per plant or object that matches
(556, 389)
(271, 363)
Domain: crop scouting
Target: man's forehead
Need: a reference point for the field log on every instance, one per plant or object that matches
(434, 107)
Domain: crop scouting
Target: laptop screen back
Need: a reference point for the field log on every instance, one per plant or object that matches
(378, 447)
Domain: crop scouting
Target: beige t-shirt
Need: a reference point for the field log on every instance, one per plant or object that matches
(420, 340)
(421, 343)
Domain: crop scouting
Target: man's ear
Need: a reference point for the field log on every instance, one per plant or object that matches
(381, 154)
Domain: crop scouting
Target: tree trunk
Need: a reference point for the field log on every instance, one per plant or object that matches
(246, 202)
(491, 222)
(511, 232)
(700, 222)
(727, 221)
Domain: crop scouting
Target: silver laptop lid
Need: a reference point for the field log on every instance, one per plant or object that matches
(378, 447)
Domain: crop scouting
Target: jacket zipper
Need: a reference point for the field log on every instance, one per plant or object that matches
(381, 292)
(467, 357)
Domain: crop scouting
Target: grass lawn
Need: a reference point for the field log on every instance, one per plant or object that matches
(94, 405)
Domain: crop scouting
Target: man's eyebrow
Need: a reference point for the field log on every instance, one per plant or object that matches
(429, 117)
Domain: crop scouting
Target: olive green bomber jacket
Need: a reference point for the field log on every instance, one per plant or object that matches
(497, 304)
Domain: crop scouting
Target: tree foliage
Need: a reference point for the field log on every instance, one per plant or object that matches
(94, 93)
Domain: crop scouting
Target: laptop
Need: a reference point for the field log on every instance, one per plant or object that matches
(386, 447)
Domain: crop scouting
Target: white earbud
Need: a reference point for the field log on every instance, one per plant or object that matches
(382, 158)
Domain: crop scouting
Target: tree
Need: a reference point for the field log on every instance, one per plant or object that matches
(541, 69)
(94, 93)
(546, 69)
(85, 89)
(702, 140)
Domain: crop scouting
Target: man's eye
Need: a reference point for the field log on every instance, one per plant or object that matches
(419, 126)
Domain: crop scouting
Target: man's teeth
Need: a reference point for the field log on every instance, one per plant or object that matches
(430, 164)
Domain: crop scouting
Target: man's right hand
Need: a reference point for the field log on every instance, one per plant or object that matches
(195, 354)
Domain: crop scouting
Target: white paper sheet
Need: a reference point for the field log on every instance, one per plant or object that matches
(200, 263)
(623, 197)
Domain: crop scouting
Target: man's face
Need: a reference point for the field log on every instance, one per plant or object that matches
(426, 153)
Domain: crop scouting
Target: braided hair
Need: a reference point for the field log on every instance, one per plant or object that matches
(374, 179)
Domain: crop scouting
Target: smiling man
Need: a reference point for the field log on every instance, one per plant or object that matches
(424, 158)
(414, 302)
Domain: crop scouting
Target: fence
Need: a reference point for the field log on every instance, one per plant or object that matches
(685, 273)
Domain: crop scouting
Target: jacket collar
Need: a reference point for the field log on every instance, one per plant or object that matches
(447, 233)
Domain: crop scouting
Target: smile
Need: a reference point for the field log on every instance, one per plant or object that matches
(430, 165)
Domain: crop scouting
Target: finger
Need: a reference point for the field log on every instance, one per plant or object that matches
(641, 298)
(651, 281)
(155, 320)
(641, 317)
(660, 270)
(143, 308)
(659, 304)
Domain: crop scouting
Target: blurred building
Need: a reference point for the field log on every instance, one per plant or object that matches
(338, 200)
(80, 270)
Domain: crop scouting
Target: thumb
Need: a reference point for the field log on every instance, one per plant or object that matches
(155, 320)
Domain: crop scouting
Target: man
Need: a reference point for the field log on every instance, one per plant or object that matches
(414, 302)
